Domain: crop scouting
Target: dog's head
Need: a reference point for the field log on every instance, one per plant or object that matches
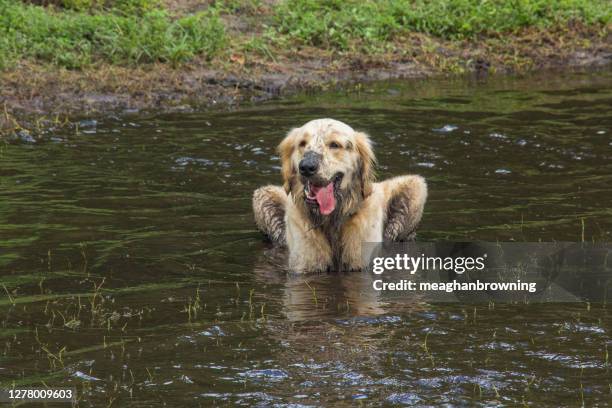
(328, 166)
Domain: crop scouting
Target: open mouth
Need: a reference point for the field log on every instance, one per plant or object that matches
(323, 195)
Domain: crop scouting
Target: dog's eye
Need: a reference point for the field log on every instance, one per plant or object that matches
(302, 143)
(334, 145)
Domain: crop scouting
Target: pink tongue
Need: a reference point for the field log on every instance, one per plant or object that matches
(325, 198)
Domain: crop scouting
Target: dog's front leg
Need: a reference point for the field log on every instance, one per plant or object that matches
(406, 196)
(269, 204)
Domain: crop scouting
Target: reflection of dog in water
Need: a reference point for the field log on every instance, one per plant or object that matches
(329, 203)
(322, 296)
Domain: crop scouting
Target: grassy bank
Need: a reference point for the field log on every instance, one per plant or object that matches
(78, 33)
(374, 25)
(85, 56)
(80, 38)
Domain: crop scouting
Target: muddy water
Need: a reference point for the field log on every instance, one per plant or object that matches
(131, 270)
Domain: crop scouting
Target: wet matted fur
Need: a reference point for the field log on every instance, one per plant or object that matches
(325, 231)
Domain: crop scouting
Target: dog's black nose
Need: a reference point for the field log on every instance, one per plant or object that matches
(309, 164)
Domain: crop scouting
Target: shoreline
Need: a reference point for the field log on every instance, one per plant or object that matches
(34, 97)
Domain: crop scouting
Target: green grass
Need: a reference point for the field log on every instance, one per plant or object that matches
(80, 33)
(340, 24)
(128, 6)
(75, 39)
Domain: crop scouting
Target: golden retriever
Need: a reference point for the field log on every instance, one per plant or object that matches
(329, 204)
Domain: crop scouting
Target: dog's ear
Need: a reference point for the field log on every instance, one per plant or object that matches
(368, 161)
(285, 150)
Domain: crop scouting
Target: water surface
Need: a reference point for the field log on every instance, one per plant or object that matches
(131, 268)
